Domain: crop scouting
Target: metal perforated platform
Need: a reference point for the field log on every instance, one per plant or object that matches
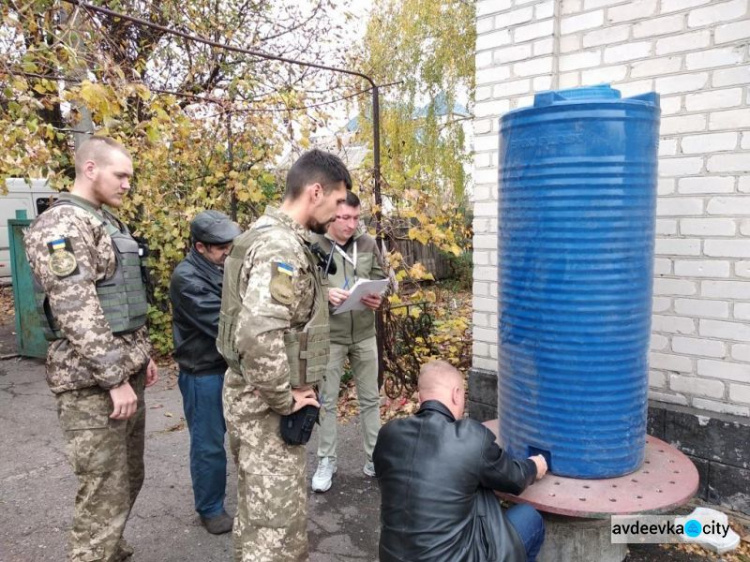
(666, 479)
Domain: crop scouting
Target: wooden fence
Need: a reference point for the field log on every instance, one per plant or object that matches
(413, 251)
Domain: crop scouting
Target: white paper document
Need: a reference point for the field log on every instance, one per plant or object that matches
(361, 289)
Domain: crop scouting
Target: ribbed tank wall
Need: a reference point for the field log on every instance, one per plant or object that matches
(576, 222)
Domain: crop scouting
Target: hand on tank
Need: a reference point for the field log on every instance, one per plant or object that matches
(124, 400)
(541, 465)
(337, 296)
(304, 397)
(152, 373)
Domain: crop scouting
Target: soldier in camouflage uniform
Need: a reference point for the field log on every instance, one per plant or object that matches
(94, 310)
(273, 332)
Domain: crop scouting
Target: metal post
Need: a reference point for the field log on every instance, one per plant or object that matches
(230, 161)
(379, 316)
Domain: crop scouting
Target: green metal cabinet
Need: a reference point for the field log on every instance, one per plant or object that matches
(29, 334)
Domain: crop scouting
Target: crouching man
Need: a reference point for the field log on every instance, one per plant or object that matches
(437, 474)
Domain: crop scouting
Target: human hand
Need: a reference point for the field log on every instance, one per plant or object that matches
(372, 301)
(337, 296)
(124, 400)
(304, 397)
(152, 373)
(541, 465)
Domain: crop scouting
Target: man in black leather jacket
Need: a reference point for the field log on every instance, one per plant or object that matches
(195, 292)
(437, 473)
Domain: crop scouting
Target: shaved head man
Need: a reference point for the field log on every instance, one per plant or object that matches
(437, 475)
(439, 380)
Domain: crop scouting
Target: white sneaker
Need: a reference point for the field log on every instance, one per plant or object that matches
(322, 479)
(369, 469)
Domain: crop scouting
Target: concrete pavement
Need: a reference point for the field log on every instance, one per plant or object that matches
(37, 486)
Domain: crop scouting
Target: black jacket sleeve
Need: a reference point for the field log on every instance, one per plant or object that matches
(499, 471)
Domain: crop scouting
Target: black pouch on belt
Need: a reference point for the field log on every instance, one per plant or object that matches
(297, 428)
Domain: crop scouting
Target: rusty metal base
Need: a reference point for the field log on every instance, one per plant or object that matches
(667, 479)
(576, 510)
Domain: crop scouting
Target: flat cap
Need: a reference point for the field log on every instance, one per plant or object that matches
(213, 227)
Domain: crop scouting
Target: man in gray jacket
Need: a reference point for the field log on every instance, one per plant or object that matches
(195, 292)
(356, 256)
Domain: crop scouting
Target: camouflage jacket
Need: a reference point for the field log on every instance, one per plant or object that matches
(263, 320)
(89, 354)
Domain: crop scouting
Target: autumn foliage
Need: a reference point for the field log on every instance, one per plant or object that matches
(211, 128)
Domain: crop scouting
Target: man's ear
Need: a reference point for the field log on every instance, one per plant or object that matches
(317, 192)
(456, 395)
(310, 192)
(89, 169)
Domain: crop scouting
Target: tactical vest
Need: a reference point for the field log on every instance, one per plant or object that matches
(306, 350)
(122, 296)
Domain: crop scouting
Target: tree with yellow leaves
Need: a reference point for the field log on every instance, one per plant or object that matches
(205, 125)
(425, 50)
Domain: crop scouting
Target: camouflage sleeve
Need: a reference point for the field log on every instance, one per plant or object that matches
(73, 299)
(263, 320)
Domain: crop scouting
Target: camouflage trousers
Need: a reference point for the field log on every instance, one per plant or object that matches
(271, 520)
(107, 458)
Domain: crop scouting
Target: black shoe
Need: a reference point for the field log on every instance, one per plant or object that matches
(218, 524)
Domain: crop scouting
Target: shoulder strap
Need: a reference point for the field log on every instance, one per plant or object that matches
(108, 224)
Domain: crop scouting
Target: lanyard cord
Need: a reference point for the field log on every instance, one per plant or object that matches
(352, 260)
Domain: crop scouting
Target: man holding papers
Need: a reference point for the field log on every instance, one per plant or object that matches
(356, 257)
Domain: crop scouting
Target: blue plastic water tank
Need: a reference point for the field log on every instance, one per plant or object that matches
(577, 202)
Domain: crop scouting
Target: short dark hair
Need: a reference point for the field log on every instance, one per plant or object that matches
(316, 166)
(352, 200)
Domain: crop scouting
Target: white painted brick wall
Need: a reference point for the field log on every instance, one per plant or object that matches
(741, 352)
(682, 123)
(630, 11)
(702, 308)
(696, 386)
(716, 99)
(717, 12)
(629, 51)
(732, 120)
(695, 54)
(665, 186)
(656, 67)
(667, 362)
(675, 5)
(709, 227)
(742, 311)
(702, 268)
(683, 42)
(604, 36)
(713, 58)
(706, 184)
(731, 76)
(714, 142)
(695, 346)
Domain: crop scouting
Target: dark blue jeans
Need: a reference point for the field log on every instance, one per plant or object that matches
(529, 525)
(201, 398)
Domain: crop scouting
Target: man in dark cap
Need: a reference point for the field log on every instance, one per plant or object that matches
(195, 292)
